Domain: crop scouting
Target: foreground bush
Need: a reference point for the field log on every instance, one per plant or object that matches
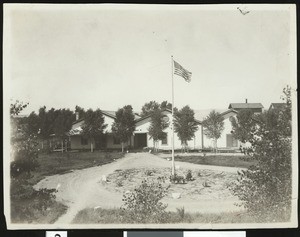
(33, 206)
(144, 203)
(265, 188)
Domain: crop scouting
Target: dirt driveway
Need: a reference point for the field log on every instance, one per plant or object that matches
(84, 188)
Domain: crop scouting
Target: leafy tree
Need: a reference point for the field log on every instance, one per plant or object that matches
(27, 205)
(165, 105)
(185, 125)
(213, 126)
(34, 123)
(124, 124)
(151, 106)
(265, 188)
(62, 124)
(17, 107)
(93, 125)
(157, 126)
(24, 145)
(243, 125)
(80, 110)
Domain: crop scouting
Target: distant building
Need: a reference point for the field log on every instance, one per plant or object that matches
(139, 140)
(277, 106)
(255, 107)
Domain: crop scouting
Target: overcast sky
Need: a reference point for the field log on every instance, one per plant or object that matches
(106, 57)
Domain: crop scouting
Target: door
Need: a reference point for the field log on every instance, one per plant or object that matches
(231, 141)
(140, 140)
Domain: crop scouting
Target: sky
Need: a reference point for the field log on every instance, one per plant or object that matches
(103, 56)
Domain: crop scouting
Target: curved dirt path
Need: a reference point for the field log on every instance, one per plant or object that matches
(84, 188)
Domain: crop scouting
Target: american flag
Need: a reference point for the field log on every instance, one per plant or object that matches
(180, 71)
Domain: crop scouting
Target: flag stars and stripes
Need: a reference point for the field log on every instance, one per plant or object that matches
(181, 71)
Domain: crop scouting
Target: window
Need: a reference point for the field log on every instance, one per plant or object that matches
(84, 141)
(116, 141)
(164, 141)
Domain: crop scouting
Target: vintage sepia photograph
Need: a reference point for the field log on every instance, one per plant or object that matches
(150, 116)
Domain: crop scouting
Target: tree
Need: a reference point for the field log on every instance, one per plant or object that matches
(213, 126)
(165, 105)
(243, 125)
(185, 125)
(33, 123)
(17, 107)
(151, 106)
(62, 124)
(124, 124)
(265, 188)
(157, 126)
(24, 145)
(93, 125)
(80, 111)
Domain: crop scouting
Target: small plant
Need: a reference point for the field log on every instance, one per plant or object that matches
(199, 174)
(119, 183)
(148, 172)
(176, 179)
(144, 203)
(189, 176)
(181, 213)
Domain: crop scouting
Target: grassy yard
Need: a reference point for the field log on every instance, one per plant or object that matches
(32, 206)
(59, 163)
(117, 216)
(218, 160)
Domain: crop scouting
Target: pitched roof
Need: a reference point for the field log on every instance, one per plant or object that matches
(245, 106)
(109, 113)
(165, 110)
(277, 105)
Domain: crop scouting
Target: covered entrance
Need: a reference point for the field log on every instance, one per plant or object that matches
(100, 142)
(140, 140)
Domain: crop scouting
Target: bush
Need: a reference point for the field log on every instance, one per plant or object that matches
(265, 188)
(25, 155)
(177, 179)
(29, 205)
(144, 203)
(189, 176)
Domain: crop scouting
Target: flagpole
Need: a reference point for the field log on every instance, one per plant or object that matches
(173, 162)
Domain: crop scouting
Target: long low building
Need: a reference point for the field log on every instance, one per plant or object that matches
(141, 139)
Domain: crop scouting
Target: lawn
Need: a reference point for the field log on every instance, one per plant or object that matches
(60, 163)
(218, 160)
(118, 216)
(32, 206)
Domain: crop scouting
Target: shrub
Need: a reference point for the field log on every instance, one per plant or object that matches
(144, 203)
(29, 205)
(189, 176)
(148, 172)
(265, 188)
(176, 179)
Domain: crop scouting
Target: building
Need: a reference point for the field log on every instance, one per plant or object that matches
(277, 106)
(139, 140)
(227, 140)
(255, 107)
(142, 138)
